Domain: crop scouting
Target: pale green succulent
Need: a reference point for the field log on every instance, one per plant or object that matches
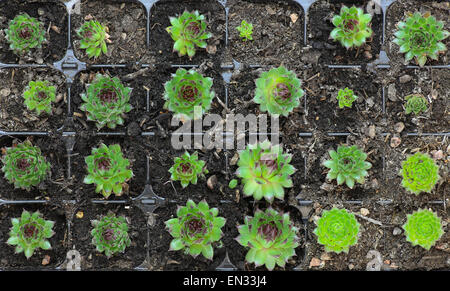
(423, 228)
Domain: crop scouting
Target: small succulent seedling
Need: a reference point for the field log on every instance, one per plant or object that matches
(195, 229)
(188, 94)
(245, 30)
(24, 165)
(416, 103)
(108, 169)
(187, 169)
(352, 27)
(93, 38)
(24, 33)
(106, 101)
(348, 164)
(423, 228)
(233, 183)
(271, 237)
(346, 98)
(110, 234)
(419, 36)
(265, 171)
(188, 31)
(420, 173)
(278, 91)
(30, 232)
(337, 230)
(39, 96)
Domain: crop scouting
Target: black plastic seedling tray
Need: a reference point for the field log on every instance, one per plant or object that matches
(145, 202)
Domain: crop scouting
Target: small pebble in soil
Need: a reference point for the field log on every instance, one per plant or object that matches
(405, 79)
(351, 266)
(46, 260)
(399, 126)
(234, 159)
(397, 231)
(364, 211)
(372, 131)
(315, 262)
(395, 141)
(437, 155)
(325, 257)
(5, 92)
(80, 214)
(392, 93)
(212, 182)
(327, 187)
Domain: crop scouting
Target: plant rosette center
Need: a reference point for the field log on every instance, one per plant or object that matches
(187, 169)
(420, 173)
(24, 33)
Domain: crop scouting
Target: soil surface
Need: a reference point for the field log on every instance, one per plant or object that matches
(52, 14)
(126, 24)
(14, 115)
(278, 31)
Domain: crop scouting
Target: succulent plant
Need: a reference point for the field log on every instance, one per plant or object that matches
(346, 98)
(30, 232)
(416, 103)
(352, 27)
(423, 228)
(24, 165)
(233, 183)
(245, 30)
(188, 31)
(265, 171)
(348, 164)
(187, 169)
(278, 91)
(420, 173)
(337, 230)
(110, 234)
(93, 38)
(108, 169)
(195, 229)
(24, 33)
(188, 94)
(419, 36)
(106, 101)
(271, 237)
(39, 96)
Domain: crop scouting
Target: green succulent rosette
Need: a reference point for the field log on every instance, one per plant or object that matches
(30, 232)
(24, 33)
(337, 230)
(352, 27)
(108, 170)
(106, 101)
(245, 30)
(420, 173)
(265, 171)
(39, 96)
(187, 169)
(188, 31)
(420, 36)
(278, 91)
(93, 38)
(24, 165)
(110, 234)
(423, 228)
(346, 97)
(270, 237)
(416, 103)
(348, 164)
(195, 229)
(188, 94)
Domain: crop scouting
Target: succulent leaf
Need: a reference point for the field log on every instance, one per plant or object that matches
(278, 91)
(352, 27)
(108, 169)
(24, 165)
(420, 173)
(110, 234)
(93, 38)
(337, 230)
(270, 237)
(195, 229)
(106, 101)
(245, 30)
(346, 98)
(423, 228)
(420, 36)
(30, 232)
(265, 171)
(24, 33)
(416, 103)
(39, 95)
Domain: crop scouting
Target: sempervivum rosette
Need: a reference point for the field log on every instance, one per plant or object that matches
(24, 33)
(187, 169)
(110, 234)
(420, 173)
(423, 228)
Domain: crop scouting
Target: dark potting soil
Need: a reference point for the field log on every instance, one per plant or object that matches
(53, 187)
(91, 259)
(57, 254)
(14, 114)
(132, 150)
(161, 43)
(138, 98)
(277, 35)
(434, 86)
(320, 26)
(126, 24)
(53, 16)
(399, 11)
